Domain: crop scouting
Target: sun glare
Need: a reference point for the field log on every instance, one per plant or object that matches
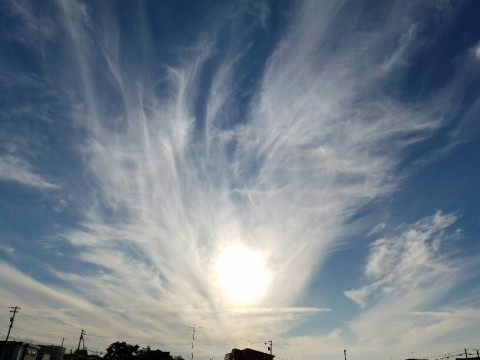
(241, 274)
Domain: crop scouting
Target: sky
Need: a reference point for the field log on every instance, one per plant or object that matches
(301, 172)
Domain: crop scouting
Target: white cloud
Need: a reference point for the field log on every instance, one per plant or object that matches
(406, 278)
(423, 334)
(40, 304)
(15, 169)
(477, 51)
(34, 28)
(169, 188)
(407, 261)
(9, 250)
(316, 144)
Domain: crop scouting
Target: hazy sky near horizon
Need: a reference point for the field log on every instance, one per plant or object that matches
(305, 172)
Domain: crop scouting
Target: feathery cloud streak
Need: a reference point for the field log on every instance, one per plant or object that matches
(174, 186)
(15, 169)
(187, 148)
(406, 279)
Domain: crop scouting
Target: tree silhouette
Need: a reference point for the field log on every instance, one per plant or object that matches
(121, 351)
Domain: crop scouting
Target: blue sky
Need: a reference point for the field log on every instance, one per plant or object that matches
(320, 156)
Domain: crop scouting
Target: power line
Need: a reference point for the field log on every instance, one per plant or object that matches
(466, 353)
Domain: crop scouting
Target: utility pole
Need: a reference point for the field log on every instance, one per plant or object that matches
(61, 351)
(193, 327)
(81, 340)
(270, 346)
(12, 319)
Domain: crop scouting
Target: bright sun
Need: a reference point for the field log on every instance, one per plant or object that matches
(241, 274)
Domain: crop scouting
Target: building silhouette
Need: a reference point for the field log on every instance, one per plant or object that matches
(18, 350)
(248, 354)
(50, 352)
(157, 355)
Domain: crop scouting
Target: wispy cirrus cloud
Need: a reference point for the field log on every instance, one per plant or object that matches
(188, 150)
(62, 309)
(13, 168)
(406, 262)
(406, 279)
(33, 28)
(174, 184)
(9, 250)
